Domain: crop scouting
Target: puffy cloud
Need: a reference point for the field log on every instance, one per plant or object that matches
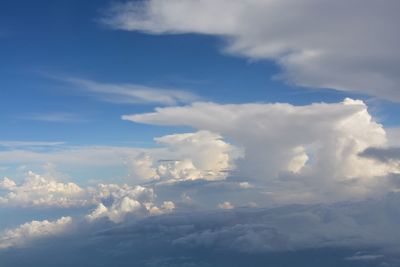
(113, 201)
(37, 190)
(309, 152)
(226, 205)
(116, 202)
(326, 44)
(33, 230)
(7, 184)
(189, 156)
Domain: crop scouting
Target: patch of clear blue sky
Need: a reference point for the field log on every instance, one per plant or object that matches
(64, 38)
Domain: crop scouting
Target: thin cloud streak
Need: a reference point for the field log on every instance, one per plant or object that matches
(131, 93)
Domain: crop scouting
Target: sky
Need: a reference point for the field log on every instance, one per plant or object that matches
(208, 129)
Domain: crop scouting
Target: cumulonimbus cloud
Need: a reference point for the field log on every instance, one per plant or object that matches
(308, 149)
(344, 45)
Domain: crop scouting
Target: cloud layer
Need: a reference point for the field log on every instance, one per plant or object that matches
(350, 233)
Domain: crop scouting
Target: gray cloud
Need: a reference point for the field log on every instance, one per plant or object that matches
(344, 45)
(301, 233)
(390, 154)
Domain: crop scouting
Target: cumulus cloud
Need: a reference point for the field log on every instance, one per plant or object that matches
(309, 150)
(27, 232)
(189, 156)
(226, 205)
(350, 46)
(37, 190)
(116, 202)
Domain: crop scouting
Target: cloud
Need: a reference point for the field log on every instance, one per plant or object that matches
(126, 200)
(389, 154)
(364, 257)
(72, 156)
(349, 46)
(113, 201)
(301, 153)
(393, 136)
(37, 190)
(131, 93)
(226, 205)
(348, 232)
(277, 154)
(55, 117)
(25, 144)
(27, 232)
(189, 156)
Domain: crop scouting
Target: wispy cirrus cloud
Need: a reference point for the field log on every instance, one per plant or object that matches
(130, 93)
(55, 117)
(24, 144)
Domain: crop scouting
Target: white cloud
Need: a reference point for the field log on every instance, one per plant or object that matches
(226, 205)
(117, 202)
(132, 93)
(27, 232)
(301, 153)
(364, 257)
(37, 190)
(24, 144)
(188, 156)
(113, 201)
(245, 185)
(7, 184)
(55, 117)
(350, 46)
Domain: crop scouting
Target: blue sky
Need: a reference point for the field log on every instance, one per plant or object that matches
(242, 123)
(65, 38)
